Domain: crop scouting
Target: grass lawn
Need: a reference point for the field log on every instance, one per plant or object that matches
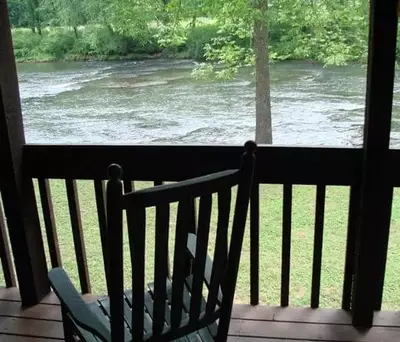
(270, 245)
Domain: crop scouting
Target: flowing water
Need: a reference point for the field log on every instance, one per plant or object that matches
(159, 102)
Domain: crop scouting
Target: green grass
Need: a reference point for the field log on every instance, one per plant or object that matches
(270, 245)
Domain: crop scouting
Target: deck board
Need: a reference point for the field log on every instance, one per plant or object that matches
(42, 323)
(14, 338)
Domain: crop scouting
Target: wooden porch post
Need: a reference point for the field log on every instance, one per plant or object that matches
(16, 188)
(376, 191)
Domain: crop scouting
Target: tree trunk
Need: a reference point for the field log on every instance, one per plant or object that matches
(75, 31)
(36, 17)
(31, 15)
(263, 98)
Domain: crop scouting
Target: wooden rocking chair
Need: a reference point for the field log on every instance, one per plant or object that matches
(171, 308)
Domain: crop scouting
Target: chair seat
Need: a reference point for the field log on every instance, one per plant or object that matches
(101, 308)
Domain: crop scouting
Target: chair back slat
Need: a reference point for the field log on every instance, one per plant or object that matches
(180, 261)
(201, 255)
(160, 267)
(221, 249)
(224, 209)
(137, 239)
(191, 226)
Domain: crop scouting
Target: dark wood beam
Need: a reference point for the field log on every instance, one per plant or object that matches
(376, 190)
(279, 165)
(16, 186)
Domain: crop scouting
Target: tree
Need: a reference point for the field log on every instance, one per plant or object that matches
(329, 32)
(70, 13)
(244, 21)
(35, 20)
(18, 13)
(133, 18)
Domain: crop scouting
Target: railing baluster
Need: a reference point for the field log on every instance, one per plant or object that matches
(49, 222)
(254, 244)
(100, 193)
(318, 239)
(286, 240)
(77, 233)
(5, 255)
(383, 244)
(349, 268)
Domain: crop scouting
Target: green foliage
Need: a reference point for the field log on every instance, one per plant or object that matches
(57, 42)
(217, 31)
(18, 12)
(92, 42)
(25, 43)
(101, 41)
(203, 71)
(198, 38)
(329, 32)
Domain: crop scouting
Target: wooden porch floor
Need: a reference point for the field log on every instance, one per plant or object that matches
(42, 323)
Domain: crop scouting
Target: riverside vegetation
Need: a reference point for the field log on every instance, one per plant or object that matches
(324, 31)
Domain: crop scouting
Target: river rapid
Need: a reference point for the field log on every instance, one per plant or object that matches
(159, 102)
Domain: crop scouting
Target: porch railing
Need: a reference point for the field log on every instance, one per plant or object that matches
(320, 167)
(288, 166)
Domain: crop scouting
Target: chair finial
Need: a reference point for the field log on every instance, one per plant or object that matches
(114, 171)
(250, 147)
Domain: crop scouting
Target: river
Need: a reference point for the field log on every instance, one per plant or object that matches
(159, 102)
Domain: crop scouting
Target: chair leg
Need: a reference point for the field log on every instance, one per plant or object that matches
(67, 325)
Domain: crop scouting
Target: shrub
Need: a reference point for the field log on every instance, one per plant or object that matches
(101, 41)
(197, 38)
(25, 43)
(147, 43)
(57, 42)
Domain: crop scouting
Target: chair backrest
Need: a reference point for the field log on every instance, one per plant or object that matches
(191, 266)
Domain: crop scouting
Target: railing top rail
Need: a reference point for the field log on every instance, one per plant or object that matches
(296, 165)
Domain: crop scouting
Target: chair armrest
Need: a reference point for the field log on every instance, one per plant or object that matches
(76, 306)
